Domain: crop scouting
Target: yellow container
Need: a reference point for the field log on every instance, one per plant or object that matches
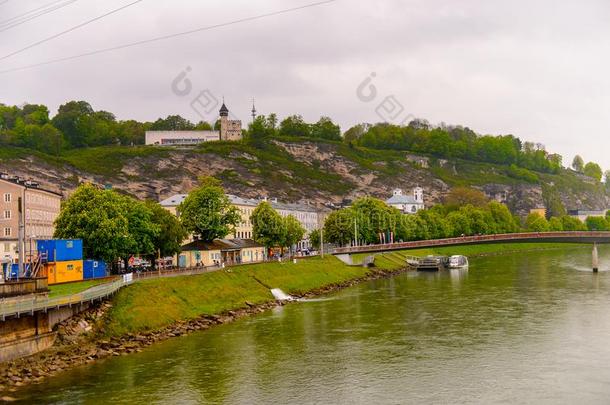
(64, 272)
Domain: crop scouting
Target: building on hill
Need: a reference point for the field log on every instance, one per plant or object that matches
(230, 130)
(39, 209)
(582, 215)
(408, 204)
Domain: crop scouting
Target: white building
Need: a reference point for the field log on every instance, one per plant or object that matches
(183, 138)
(408, 204)
(230, 130)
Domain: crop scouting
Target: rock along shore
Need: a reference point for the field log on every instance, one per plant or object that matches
(79, 340)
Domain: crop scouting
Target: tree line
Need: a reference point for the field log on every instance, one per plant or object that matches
(370, 221)
(116, 227)
(78, 125)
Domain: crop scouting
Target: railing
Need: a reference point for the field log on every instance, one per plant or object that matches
(601, 237)
(34, 303)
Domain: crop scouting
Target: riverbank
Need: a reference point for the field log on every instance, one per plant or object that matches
(158, 309)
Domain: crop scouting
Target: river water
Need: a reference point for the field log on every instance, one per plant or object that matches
(525, 328)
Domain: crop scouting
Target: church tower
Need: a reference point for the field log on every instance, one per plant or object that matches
(230, 130)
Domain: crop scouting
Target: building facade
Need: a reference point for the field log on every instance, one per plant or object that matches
(230, 130)
(408, 204)
(39, 210)
(307, 215)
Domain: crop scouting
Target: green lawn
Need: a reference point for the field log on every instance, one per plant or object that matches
(154, 304)
(73, 288)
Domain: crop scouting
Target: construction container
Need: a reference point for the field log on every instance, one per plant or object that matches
(63, 272)
(94, 269)
(60, 250)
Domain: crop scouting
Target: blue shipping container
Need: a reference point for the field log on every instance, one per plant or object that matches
(61, 250)
(94, 269)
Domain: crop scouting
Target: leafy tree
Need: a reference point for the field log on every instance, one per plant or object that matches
(355, 132)
(142, 230)
(315, 238)
(597, 224)
(295, 126)
(293, 231)
(460, 196)
(555, 224)
(578, 164)
(172, 123)
(207, 211)
(339, 227)
(503, 220)
(259, 132)
(536, 223)
(171, 233)
(268, 227)
(97, 217)
(373, 217)
(593, 170)
(552, 201)
(326, 129)
(572, 224)
(72, 119)
(203, 126)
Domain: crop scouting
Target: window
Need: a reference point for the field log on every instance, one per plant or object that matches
(7, 197)
(7, 214)
(70, 267)
(7, 231)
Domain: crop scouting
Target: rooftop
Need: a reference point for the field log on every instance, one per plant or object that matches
(402, 199)
(28, 184)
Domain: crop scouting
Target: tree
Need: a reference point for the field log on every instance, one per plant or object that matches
(293, 231)
(572, 224)
(578, 164)
(207, 211)
(597, 224)
(142, 231)
(268, 227)
(461, 196)
(172, 123)
(503, 220)
(339, 227)
(315, 238)
(593, 170)
(607, 179)
(72, 121)
(355, 132)
(536, 223)
(555, 225)
(97, 217)
(326, 129)
(372, 217)
(295, 126)
(171, 232)
(259, 132)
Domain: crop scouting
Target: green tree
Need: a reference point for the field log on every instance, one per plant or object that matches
(555, 225)
(597, 224)
(72, 119)
(207, 211)
(260, 132)
(326, 129)
(97, 217)
(293, 231)
(572, 224)
(142, 231)
(578, 164)
(172, 123)
(593, 170)
(268, 227)
(295, 126)
(536, 223)
(461, 196)
(171, 232)
(315, 238)
(373, 217)
(339, 227)
(503, 220)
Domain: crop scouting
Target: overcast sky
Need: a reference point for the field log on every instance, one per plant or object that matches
(536, 69)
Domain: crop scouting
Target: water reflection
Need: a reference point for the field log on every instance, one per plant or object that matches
(526, 328)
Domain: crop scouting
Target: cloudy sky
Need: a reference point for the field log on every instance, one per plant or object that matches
(536, 69)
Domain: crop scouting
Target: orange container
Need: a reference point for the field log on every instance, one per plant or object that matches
(63, 272)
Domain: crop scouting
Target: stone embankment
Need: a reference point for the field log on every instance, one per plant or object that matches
(81, 339)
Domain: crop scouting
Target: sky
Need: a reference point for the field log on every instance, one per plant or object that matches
(536, 69)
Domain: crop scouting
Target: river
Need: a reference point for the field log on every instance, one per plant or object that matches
(526, 328)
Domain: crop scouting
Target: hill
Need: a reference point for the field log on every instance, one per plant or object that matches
(296, 169)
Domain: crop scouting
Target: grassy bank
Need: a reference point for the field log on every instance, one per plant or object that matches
(154, 304)
(58, 290)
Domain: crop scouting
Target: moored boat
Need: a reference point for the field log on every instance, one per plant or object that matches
(458, 262)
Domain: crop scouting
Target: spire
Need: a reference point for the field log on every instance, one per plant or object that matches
(253, 111)
(224, 111)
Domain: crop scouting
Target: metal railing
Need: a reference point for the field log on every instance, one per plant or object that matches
(562, 237)
(31, 304)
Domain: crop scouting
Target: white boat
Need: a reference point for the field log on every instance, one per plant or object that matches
(458, 262)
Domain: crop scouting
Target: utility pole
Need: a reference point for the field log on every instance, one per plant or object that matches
(21, 242)
(355, 232)
(322, 242)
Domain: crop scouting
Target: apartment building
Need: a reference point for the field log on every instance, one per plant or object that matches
(40, 208)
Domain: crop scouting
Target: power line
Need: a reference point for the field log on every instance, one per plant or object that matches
(33, 14)
(116, 10)
(164, 37)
